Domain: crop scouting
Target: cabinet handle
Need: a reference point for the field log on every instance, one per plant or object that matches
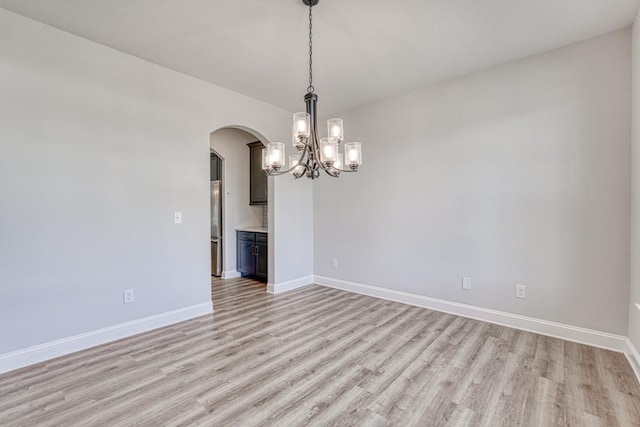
(256, 251)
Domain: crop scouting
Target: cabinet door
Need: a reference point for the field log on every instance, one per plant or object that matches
(257, 178)
(246, 261)
(262, 260)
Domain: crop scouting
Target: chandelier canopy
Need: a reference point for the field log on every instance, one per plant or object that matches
(314, 154)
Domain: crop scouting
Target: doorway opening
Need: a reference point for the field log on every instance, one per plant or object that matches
(232, 151)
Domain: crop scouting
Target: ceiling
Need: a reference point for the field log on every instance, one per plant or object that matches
(363, 50)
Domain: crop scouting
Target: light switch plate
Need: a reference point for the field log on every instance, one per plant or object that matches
(466, 283)
(177, 217)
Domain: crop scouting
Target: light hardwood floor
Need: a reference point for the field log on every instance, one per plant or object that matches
(322, 356)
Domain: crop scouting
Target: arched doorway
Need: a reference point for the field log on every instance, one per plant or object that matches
(231, 145)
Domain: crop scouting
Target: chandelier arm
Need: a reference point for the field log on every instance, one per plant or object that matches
(327, 169)
(317, 150)
(278, 173)
(311, 100)
(301, 162)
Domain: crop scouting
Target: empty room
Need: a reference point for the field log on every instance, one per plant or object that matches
(320, 212)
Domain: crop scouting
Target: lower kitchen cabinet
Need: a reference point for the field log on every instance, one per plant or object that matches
(246, 260)
(262, 248)
(252, 254)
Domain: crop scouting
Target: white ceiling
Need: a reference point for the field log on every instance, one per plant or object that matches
(363, 50)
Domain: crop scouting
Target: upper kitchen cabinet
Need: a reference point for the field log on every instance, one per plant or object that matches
(258, 178)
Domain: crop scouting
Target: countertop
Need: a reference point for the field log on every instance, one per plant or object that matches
(253, 229)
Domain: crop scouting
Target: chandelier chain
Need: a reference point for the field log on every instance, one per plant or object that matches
(310, 89)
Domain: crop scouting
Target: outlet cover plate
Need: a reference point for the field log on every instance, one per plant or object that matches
(128, 296)
(466, 283)
(521, 291)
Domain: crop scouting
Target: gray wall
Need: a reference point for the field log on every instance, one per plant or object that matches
(634, 299)
(517, 174)
(98, 149)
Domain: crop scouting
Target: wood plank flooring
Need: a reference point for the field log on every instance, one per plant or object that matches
(320, 356)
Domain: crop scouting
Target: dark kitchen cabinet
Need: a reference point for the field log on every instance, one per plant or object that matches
(246, 259)
(252, 254)
(262, 247)
(257, 176)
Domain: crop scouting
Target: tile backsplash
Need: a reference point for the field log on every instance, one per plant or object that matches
(265, 216)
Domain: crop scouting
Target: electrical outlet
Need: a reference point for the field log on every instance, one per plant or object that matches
(128, 296)
(177, 217)
(334, 263)
(466, 283)
(521, 291)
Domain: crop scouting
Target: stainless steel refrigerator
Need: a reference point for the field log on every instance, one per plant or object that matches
(216, 228)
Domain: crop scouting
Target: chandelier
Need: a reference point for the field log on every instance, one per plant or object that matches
(314, 153)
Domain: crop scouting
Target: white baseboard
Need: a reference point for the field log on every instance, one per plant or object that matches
(290, 285)
(633, 356)
(544, 327)
(42, 352)
(230, 274)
